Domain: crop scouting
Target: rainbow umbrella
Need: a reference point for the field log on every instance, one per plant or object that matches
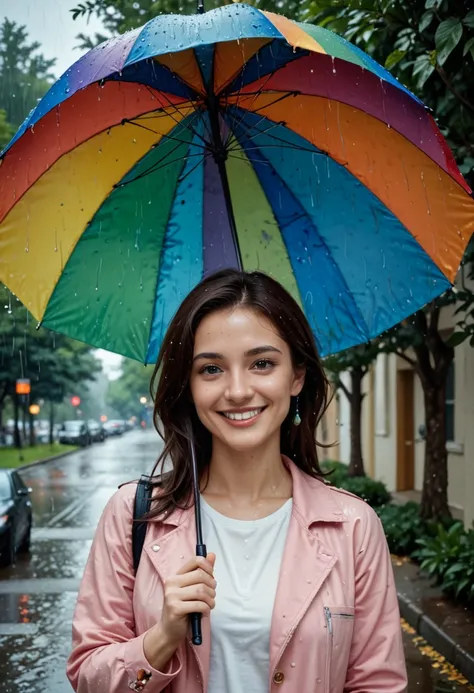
(235, 138)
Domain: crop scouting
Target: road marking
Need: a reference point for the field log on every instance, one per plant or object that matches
(39, 586)
(18, 629)
(71, 510)
(63, 534)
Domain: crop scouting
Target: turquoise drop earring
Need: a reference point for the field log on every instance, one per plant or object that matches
(297, 417)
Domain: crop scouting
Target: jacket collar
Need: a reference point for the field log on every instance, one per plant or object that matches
(312, 501)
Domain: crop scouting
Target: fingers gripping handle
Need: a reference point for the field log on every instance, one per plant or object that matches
(196, 618)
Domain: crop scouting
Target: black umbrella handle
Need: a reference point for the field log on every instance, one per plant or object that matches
(196, 618)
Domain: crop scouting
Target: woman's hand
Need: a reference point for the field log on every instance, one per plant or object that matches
(191, 590)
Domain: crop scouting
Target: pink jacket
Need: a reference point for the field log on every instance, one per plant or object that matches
(335, 627)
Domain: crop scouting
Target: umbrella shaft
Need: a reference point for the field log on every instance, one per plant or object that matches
(220, 155)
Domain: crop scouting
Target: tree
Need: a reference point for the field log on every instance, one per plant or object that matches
(6, 130)
(419, 342)
(429, 46)
(356, 362)
(25, 74)
(54, 364)
(119, 16)
(124, 394)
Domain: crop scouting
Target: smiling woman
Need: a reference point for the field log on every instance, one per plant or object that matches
(305, 593)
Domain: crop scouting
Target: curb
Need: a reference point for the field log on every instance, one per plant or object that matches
(437, 638)
(29, 465)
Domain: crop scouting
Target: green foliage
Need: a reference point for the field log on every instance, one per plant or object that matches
(124, 394)
(336, 472)
(403, 527)
(6, 130)
(10, 457)
(56, 365)
(356, 362)
(448, 556)
(373, 492)
(25, 74)
(358, 358)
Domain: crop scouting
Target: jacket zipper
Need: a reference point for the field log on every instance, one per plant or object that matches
(300, 618)
(328, 616)
(342, 615)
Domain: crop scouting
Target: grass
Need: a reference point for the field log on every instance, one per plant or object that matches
(11, 457)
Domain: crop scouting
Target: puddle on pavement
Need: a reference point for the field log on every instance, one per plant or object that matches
(37, 659)
(50, 559)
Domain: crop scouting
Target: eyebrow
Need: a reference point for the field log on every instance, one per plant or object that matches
(256, 351)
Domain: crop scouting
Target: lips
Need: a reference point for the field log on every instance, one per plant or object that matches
(242, 415)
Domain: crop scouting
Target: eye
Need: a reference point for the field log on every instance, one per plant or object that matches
(210, 369)
(263, 364)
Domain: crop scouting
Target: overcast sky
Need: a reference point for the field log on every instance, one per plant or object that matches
(50, 22)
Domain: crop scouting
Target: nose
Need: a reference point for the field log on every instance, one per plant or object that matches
(238, 387)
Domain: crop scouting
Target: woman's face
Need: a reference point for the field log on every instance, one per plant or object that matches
(242, 378)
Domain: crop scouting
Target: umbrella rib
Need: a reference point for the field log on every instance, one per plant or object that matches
(183, 177)
(269, 76)
(283, 142)
(238, 121)
(175, 139)
(280, 98)
(194, 132)
(264, 132)
(156, 167)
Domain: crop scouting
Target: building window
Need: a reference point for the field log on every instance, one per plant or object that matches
(450, 404)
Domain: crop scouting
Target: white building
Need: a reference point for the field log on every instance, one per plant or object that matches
(392, 421)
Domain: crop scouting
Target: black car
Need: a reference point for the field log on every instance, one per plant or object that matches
(75, 433)
(97, 432)
(15, 516)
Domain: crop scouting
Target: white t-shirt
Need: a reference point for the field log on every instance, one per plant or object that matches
(248, 559)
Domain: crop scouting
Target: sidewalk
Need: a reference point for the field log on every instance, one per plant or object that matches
(447, 626)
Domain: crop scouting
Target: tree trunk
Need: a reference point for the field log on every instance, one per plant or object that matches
(51, 423)
(434, 498)
(23, 421)
(356, 464)
(16, 430)
(31, 422)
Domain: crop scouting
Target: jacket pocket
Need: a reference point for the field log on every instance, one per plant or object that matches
(339, 624)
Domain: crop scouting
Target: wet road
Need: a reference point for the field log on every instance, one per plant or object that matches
(38, 594)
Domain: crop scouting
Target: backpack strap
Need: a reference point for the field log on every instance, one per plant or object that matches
(140, 508)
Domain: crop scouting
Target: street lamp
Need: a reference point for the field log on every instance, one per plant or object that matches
(34, 409)
(143, 400)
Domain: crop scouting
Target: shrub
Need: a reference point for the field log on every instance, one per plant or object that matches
(403, 527)
(336, 471)
(448, 556)
(373, 492)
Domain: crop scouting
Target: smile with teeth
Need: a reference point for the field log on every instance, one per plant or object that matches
(242, 415)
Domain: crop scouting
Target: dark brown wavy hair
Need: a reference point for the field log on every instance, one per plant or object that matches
(175, 416)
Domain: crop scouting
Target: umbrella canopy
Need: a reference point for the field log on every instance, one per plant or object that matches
(235, 138)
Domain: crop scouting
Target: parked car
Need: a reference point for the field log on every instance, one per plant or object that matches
(97, 432)
(75, 433)
(15, 516)
(115, 427)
